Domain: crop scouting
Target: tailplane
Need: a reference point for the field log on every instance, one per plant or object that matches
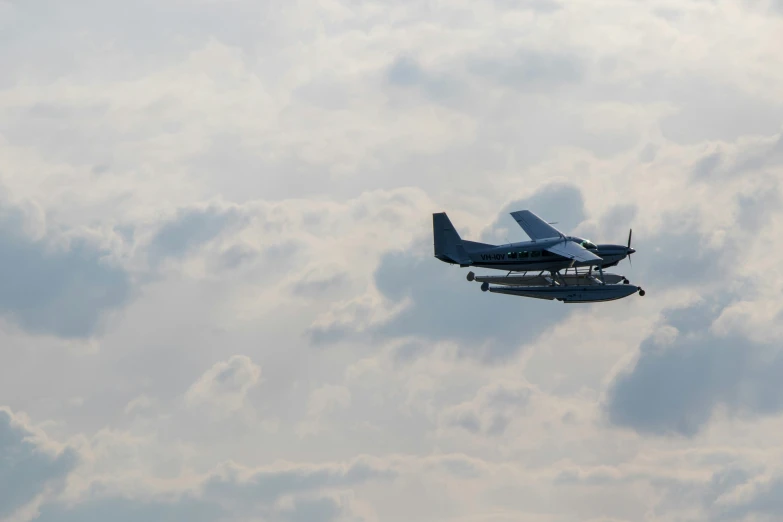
(448, 244)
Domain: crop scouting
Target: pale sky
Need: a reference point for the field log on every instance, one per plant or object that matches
(219, 301)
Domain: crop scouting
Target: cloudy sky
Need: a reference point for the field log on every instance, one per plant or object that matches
(218, 301)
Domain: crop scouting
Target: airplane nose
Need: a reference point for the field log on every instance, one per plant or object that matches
(631, 250)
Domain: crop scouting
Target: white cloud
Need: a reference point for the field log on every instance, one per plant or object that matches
(491, 411)
(323, 401)
(32, 465)
(140, 403)
(224, 387)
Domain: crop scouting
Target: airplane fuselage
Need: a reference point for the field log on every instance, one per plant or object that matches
(533, 256)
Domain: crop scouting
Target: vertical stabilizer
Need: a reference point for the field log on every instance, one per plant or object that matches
(448, 244)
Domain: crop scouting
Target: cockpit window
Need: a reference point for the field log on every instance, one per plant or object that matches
(588, 244)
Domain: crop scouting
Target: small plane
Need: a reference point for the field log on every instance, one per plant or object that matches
(549, 251)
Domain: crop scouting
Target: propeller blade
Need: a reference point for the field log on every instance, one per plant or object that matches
(630, 231)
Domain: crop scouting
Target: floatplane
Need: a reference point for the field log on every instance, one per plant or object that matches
(551, 265)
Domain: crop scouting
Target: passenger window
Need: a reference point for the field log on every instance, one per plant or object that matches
(536, 253)
(512, 255)
(523, 255)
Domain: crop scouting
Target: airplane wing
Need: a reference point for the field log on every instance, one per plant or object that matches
(573, 251)
(534, 226)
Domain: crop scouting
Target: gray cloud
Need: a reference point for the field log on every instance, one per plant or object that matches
(755, 210)
(322, 509)
(230, 495)
(185, 508)
(530, 70)
(717, 164)
(405, 71)
(408, 351)
(674, 389)
(705, 167)
(724, 481)
(763, 157)
(225, 385)
(491, 411)
(192, 228)
(133, 510)
(314, 286)
(53, 289)
(676, 492)
(615, 224)
(675, 255)
(321, 335)
(438, 85)
(466, 420)
(766, 500)
(26, 468)
(648, 153)
(267, 486)
(236, 256)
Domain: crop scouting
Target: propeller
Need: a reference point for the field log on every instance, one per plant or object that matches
(630, 231)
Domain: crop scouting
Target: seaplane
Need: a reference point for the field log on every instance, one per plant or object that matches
(539, 268)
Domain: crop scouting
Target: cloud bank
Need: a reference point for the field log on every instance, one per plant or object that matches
(218, 300)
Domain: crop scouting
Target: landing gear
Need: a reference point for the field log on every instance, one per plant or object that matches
(484, 286)
(625, 281)
(641, 292)
(471, 276)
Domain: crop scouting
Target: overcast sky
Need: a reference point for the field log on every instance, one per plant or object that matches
(218, 296)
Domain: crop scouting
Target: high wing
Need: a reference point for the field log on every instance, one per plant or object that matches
(573, 251)
(537, 228)
(534, 226)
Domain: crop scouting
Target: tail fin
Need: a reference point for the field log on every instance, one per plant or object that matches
(448, 244)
